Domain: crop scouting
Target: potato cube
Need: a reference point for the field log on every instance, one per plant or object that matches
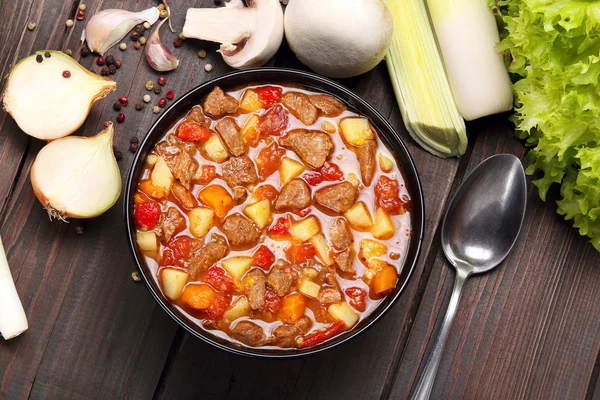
(371, 249)
(251, 130)
(383, 228)
(322, 248)
(356, 130)
(385, 163)
(201, 220)
(250, 101)
(305, 229)
(217, 198)
(329, 127)
(289, 169)
(308, 288)
(239, 308)
(215, 150)
(359, 216)
(353, 179)
(173, 281)
(161, 175)
(237, 266)
(259, 212)
(343, 312)
(146, 241)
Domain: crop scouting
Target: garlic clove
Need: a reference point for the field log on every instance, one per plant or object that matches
(77, 176)
(158, 55)
(44, 102)
(108, 27)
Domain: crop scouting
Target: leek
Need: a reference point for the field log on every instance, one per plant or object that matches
(420, 83)
(13, 321)
(467, 34)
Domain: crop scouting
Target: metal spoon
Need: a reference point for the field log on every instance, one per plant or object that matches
(479, 230)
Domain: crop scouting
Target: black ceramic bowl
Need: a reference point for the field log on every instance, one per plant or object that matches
(279, 75)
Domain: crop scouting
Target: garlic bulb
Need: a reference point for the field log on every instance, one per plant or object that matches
(158, 55)
(108, 27)
(77, 176)
(50, 95)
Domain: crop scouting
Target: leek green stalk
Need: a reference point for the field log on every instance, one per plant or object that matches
(420, 83)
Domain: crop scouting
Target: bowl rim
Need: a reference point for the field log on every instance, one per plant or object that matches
(409, 170)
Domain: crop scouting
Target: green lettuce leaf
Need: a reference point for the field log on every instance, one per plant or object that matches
(554, 50)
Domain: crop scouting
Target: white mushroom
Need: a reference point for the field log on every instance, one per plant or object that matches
(249, 36)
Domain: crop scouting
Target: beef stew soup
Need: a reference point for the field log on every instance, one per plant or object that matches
(273, 216)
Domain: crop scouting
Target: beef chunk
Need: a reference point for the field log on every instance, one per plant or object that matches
(171, 223)
(230, 133)
(313, 147)
(240, 231)
(240, 194)
(328, 105)
(329, 296)
(344, 261)
(218, 104)
(300, 106)
(197, 116)
(183, 196)
(339, 197)
(340, 234)
(366, 157)
(248, 333)
(282, 277)
(287, 334)
(184, 168)
(256, 289)
(204, 257)
(295, 195)
(171, 148)
(240, 171)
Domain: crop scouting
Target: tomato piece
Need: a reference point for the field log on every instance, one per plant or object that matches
(269, 160)
(274, 121)
(263, 257)
(217, 278)
(207, 174)
(265, 192)
(176, 251)
(357, 298)
(281, 227)
(331, 172)
(321, 336)
(313, 178)
(193, 132)
(272, 301)
(269, 95)
(299, 253)
(386, 195)
(146, 214)
(220, 304)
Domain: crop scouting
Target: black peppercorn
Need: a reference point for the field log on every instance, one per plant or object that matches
(118, 64)
(139, 28)
(134, 35)
(85, 51)
(139, 106)
(134, 139)
(104, 71)
(80, 229)
(112, 69)
(47, 54)
(133, 147)
(39, 58)
(157, 89)
(118, 154)
(109, 60)
(117, 106)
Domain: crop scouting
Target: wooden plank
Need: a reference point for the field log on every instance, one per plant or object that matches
(528, 329)
(339, 372)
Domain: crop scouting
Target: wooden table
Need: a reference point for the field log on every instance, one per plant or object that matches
(529, 329)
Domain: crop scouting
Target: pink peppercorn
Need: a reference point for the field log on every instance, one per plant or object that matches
(162, 102)
(124, 101)
(106, 123)
(80, 15)
(161, 80)
(66, 74)
(120, 117)
(170, 94)
(100, 61)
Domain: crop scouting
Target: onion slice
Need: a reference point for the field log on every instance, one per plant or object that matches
(47, 104)
(13, 321)
(77, 176)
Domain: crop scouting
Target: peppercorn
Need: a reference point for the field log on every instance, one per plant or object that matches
(139, 106)
(162, 102)
(139, 28)
(109, 60)
(149, 85)
(47, 54)
(106, 124)
(82, 7)
(120, 117)
(123, 46)
(31, 26)
(118, 154)
(163, 14)
(156, 109)
(134, 35)
(80, 229)
(170, 94)
(112, 69)
(136, 45)
(80, 15)
(66, 74)
(161, 80)
(118, 64)
(104, 71)
(134, 139)
(142, 40)
(147, 25)
(136, 276)
(85, 51)
(124, 101)
(161, 7)
(39, 58)
(117, 106)
(157, 89)
(100, 61)
(202, 53)
(133, 147)
(69, 23)
(68, 52)
(147, 98)
(208, 67)
(177, 42)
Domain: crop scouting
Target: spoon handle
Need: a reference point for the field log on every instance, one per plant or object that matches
(425, 385)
